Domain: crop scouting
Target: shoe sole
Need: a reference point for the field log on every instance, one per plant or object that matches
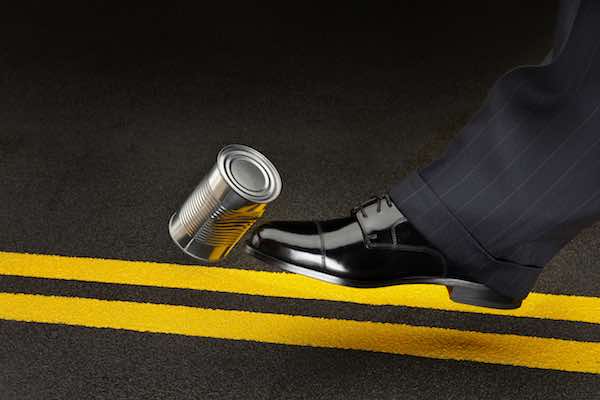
(460, 291)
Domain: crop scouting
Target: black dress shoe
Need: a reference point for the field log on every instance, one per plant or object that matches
(375, 246)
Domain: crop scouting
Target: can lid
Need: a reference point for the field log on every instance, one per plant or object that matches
(249, 173)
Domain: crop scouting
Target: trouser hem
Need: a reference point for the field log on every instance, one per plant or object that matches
(427, 212)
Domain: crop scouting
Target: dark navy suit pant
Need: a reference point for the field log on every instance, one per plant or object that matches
(523, 176)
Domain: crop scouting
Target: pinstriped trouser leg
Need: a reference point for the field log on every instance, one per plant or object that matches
(523, 176)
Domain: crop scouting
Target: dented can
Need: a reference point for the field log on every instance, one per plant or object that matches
(226, 204)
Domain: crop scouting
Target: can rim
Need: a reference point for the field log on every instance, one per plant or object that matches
(239, 152)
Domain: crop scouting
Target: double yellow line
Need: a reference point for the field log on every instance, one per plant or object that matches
(279, 284)
(430, 342)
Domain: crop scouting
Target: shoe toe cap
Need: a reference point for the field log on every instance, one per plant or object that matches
(287, 233)
(284, 239)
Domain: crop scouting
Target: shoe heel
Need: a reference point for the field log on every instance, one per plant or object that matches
(482, 296)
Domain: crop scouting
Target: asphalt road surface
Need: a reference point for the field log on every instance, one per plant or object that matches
(110, 116)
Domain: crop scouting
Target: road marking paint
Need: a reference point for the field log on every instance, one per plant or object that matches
(437, 343)
(280, 284)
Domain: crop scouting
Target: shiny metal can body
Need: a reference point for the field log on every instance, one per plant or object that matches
(226, 204)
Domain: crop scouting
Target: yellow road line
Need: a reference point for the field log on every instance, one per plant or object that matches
(438, 343)
(278, 284)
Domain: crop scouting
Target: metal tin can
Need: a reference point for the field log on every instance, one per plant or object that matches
(226, 204)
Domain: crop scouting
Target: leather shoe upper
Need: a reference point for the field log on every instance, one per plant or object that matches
(375, 243)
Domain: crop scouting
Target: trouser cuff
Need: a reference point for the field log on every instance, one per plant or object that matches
(430, 216)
